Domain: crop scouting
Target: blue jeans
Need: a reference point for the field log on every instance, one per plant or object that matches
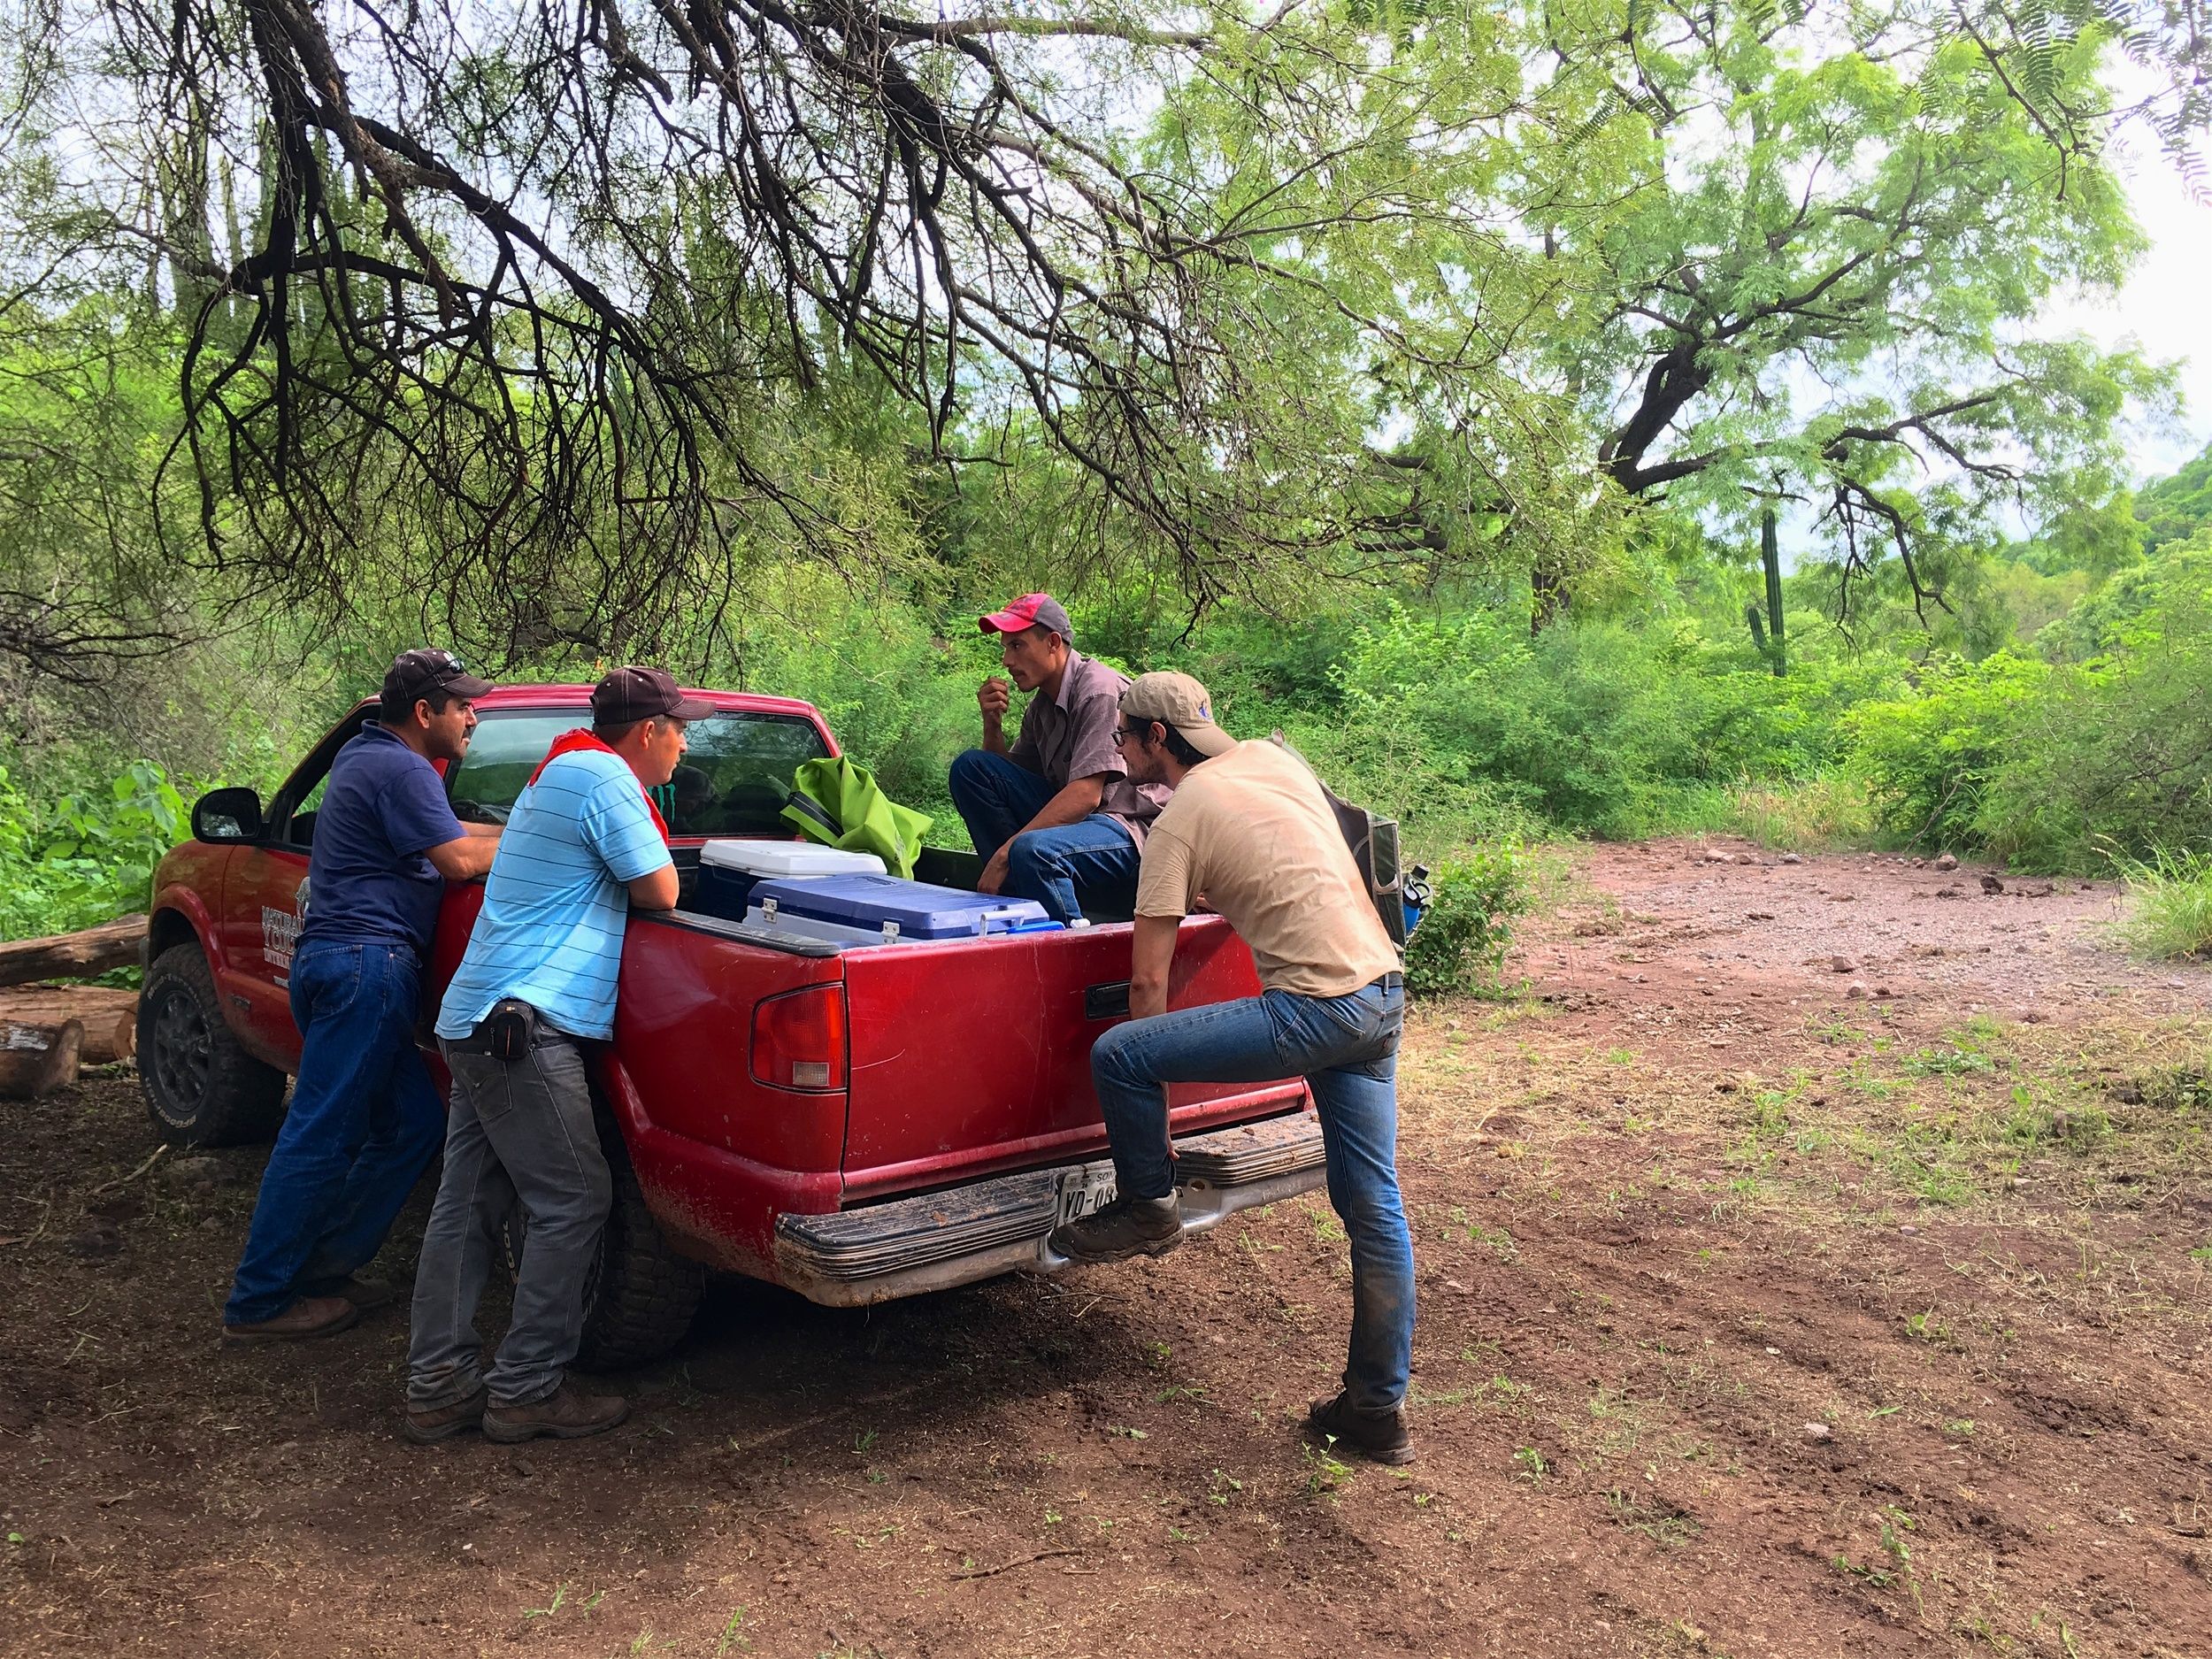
(1092, 861)
(1347, 1049)
(364, 1122)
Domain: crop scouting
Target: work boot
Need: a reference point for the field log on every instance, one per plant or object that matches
(565, 1414)
(309, 1316)
(1126, 1227)
(1379, 1435)
(364, 1294)
(425, 1425)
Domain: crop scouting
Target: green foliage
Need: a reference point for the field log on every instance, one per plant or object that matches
(2170, 904)
(1592, 726)
(1929, 757)
(87, 857)
(1460, 947)
(2049, 765)
(2175, 508)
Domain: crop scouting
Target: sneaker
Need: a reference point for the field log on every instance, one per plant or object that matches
(1126, 1227)
(1379, 1436)
(442, 1423)
(565, 1414)
(309, 1316)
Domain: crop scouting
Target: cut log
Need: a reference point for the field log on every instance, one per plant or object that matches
(35, 1060)
(72, 955)
(109, 1016)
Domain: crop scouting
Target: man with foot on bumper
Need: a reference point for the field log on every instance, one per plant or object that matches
(1249, 829)
(535, 988)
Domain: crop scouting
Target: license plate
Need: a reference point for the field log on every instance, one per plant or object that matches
(1085, 1191)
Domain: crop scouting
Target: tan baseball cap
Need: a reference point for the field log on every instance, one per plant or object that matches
(1180, 702)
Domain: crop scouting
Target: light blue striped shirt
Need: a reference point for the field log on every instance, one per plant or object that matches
(555, 903)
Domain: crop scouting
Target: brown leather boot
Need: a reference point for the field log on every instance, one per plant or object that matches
(442, 1423)
(309, 1316)
(1379, 1435)
(564, 1415)
(364, 1294)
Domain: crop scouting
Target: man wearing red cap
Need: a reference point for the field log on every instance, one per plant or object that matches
(1053, 815)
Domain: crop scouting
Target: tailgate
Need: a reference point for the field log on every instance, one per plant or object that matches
(972, 1056)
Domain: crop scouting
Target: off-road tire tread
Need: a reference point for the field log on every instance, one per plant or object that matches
(646, 1293)
(245, 1097)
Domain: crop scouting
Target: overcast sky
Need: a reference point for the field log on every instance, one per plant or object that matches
(2167, 308)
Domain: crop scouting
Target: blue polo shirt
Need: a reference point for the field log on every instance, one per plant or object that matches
(555, 904)
(368, 883)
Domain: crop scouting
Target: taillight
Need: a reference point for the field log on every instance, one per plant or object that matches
(799, 1039)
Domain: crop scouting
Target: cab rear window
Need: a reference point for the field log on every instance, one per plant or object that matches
(734, 780)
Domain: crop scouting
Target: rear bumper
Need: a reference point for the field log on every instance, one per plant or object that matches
(939, 1240)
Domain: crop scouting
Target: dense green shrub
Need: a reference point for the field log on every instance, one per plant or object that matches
(1929, 757)
(1589, 726)
(1460, 947)
(85, 858)
(2055, 765)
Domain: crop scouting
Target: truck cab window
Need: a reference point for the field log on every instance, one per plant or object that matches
(734, 782)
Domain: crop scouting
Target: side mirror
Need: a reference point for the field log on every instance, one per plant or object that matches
(226, 815)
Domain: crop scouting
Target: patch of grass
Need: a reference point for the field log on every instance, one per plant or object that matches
(1654, 1519)
(1532, 1466)
(1325, 1471)
(2170, 904)
(1824, 814)
(1926, 1327)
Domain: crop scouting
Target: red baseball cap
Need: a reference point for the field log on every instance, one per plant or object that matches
(1031, 610)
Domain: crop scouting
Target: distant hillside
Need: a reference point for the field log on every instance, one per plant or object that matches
(2174, 508)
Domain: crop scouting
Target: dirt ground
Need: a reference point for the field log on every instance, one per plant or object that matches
(1810, 1263)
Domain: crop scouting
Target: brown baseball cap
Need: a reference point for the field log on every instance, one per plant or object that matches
(632, 694)
(416, 674)
(1180, 702)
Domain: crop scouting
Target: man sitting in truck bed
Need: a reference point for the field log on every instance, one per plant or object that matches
(1054, 817)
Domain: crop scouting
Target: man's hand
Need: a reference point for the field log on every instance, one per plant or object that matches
(994, 875)
(994, 697)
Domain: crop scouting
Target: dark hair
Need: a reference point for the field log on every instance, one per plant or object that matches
(389, 712)
(612, 735)
(1172, 741)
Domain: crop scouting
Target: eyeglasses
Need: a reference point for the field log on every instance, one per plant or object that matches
(1130, 734)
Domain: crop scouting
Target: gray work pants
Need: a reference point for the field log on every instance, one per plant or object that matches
(518, 1133)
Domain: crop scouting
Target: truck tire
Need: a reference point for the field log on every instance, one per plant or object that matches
(202, 1088)
(640, 1295)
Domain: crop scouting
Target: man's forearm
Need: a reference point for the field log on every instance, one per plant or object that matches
(1148, 997)
(994, 738)
(1151, 955)
(1074, 804)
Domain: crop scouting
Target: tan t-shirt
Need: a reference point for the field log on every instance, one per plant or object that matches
(1251, 830)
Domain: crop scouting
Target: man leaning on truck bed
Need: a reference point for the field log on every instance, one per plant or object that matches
(1249, 828)
(1053, 816)
(536, 984)
(366, 1119)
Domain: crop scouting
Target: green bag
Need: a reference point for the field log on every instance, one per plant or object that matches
(841, 804)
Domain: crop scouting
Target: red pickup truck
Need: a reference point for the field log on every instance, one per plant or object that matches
(856, 1123)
